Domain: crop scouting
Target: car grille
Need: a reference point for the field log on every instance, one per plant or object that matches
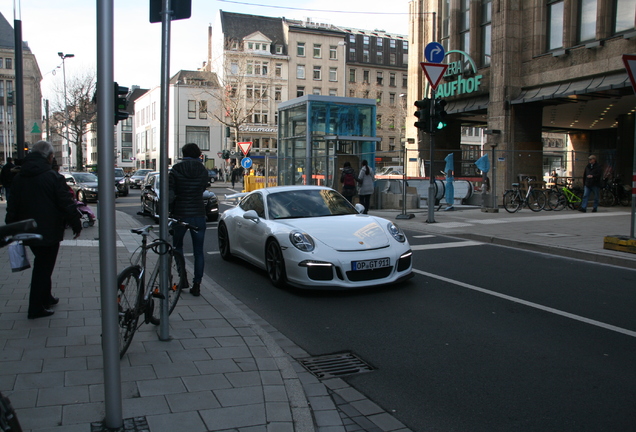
(366, 275)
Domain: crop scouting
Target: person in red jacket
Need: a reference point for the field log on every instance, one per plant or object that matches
(40, 193)
(592, 182)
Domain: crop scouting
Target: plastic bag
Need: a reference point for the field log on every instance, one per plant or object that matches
(18, 257)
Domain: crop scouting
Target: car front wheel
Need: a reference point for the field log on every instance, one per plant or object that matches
(275, 264)
(224, 242)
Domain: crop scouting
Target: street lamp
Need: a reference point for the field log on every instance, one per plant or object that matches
(68, 146)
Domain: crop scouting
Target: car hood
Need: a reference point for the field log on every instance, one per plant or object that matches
(344, 233)
(88, 184)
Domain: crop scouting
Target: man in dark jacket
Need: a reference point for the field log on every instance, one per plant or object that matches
(188, 180)
(40, 193)
(6, 175)
(592, 182)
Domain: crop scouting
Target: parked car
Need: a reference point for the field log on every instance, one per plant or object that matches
(150, 194)
(121, 182)
(214, 175)
(137, 179)
(83, 184)
(312, 237)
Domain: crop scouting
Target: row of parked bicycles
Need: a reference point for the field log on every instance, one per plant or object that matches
(560, 196)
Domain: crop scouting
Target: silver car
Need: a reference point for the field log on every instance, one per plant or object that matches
(137, 179)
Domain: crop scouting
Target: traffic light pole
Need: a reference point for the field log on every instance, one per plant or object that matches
(431, 186)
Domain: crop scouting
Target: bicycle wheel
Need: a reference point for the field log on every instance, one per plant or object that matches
(607, 198)
(625, 199)
(177, 280)
(536, 200)
(575, 198)
(129, 298)
(512, 201)
(556, 200)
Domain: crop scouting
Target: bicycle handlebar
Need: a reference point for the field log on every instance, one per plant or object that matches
(173, 221)
(18, 227)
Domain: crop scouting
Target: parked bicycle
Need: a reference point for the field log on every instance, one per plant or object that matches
(136, 297)
(514, 200)
(564, 196)
(614, 193)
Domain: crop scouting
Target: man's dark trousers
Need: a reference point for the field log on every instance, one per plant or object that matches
(43, 266)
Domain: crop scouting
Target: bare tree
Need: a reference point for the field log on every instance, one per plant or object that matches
(77, 103)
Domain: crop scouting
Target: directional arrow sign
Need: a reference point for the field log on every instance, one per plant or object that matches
(630, 65)
(245, 147)
(434, 52)
(434, 73)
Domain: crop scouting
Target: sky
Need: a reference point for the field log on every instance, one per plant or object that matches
(69, 26)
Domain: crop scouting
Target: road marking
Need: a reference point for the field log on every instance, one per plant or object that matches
(446, 245)
(531, 304)
(424, 236)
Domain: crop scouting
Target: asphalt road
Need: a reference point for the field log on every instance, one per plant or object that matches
(483, 338)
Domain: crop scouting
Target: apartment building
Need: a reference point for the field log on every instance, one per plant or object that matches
(194, 102)
(293, 58)
(525, 71)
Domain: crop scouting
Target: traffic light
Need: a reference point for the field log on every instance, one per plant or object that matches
(10, 98)
(121, 103)
(423, 114)
(439, 114)
(226, 154)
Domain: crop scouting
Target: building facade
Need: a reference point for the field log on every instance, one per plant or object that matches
(194, 100)
(536, 76)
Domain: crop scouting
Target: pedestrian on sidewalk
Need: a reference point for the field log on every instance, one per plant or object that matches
(366, 179)
(40, 193)
(188, 180)
(6, 175)
(592, 182)
(348, 180)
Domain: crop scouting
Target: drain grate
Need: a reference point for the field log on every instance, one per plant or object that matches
(335, 365)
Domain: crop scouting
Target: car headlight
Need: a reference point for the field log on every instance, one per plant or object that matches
(302, 241)
(396, 232)
(91, 189)
(122, 181)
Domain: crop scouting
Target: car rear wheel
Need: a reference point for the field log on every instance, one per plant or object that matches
(275, 264)
(224, 242)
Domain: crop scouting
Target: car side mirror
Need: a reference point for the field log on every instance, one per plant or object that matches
(359, 207)
(253, 216)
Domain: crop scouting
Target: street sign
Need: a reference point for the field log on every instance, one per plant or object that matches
(245, 147)
(219, 154)
(434, 72)
(630, 65)
(246, 162)
(434, 52)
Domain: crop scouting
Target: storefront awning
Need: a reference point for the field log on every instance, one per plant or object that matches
(579, 87)
(465, 105)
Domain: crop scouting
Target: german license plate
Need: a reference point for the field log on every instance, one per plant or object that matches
(370, 264)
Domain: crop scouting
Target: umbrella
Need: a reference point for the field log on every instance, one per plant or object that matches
(450, 189)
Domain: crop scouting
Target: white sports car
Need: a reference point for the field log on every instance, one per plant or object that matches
(312, 237)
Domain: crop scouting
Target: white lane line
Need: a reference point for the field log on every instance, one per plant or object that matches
(424, 236)
(446, 245)
(531, 304)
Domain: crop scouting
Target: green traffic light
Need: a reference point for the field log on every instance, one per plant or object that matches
(441, 125)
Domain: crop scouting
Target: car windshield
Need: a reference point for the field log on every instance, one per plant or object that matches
(141, 173)
(119, 172)
(305, 203)
(85, 177)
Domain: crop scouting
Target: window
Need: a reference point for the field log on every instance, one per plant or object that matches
(405, 46)
(250, 45)
(392, 59)
(365, 41)
(405, 80)
(352, 75)
(365, 56)
(352, 93)
(378, 98)
(392, 43)
(317, 51)
(279, 49)
(486, 35)
(1, 89)
(8, 63)
(317, 91)
(378, 121)
(333, 92)
(379, 78)
(192, 109)
(333, 52)
(624, 18)
(300, 91)
(587, 20)
(379, 57)
(392, 99)
(445, 15)
(203, 109)
(300, 71)
(249, 69)
(379, 41)
(392, 79)
(464, 25)
(234, 68)
(317, 75)
(200, 135)
(352, 39)
(278, 92)
(352, 54)
(249, 91)
(333, 74)
(1, 62)
(279, 70)
(300, 49)
(555, 24)
(365, 77)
